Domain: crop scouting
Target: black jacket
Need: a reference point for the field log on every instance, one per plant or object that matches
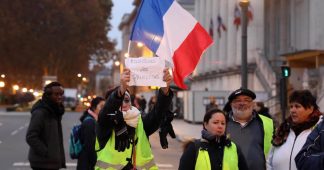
(311, 156)
(215, 151)
(151, 121)
(88, 155)
(44, 136)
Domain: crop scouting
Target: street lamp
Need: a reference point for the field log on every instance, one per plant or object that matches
(2, 84)
(244, 6)
(3, 75)
(117, 63)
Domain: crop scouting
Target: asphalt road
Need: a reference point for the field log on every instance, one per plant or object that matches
(14, 150)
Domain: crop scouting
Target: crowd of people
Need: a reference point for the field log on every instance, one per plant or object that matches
(115, 132)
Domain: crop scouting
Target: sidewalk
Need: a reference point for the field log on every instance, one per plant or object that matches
(185, 130)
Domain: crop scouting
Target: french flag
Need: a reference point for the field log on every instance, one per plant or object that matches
(172, 33)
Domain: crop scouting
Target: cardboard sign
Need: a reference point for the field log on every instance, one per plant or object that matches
(146, 71)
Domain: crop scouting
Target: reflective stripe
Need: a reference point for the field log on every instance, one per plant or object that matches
(105, 165)
(268, 132)
(147, 165)
(230, 159)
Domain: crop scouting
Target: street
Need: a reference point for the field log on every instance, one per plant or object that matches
(14, 149)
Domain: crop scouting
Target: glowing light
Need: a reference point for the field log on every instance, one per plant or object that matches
(79, 74)
(3, 75)
(126, 55)
(24, 89)
(117, 63)
(48, 82)
(15, 87)
(36, 94)
(244, 1)
(140, 44)
(2, 84)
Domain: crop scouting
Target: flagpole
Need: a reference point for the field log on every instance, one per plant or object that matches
(129, 43)
(244, 80)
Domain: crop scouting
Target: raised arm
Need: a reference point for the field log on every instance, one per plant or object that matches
(113, 102)
(153, 119)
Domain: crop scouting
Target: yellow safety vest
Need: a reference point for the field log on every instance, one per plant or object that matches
(110, 159)
(268, 132)
(230, 159)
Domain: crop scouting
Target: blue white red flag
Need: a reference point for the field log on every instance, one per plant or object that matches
(171, 33)
(221, 26)
(237, 17)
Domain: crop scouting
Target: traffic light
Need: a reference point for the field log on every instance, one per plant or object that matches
(285, 71)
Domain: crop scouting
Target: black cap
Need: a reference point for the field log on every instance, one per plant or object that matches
(239, 92)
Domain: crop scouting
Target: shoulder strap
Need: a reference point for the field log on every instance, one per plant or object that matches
(88, 117)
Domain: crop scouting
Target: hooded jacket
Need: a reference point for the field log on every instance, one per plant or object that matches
(44, 136)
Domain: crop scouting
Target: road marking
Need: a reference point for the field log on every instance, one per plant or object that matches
(0, 124)
(164, 165)
(15, 114)
(22, 164)
(14, 132)
(0, 141)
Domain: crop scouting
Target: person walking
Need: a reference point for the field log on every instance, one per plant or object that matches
(44, 134)
(261, 109)
(123, 133)
(88, 156)
(214, 151)
(292, 133)
(249, 130)
(311, 156)
(212, 103)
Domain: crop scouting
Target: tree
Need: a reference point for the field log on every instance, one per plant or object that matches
(52, 37)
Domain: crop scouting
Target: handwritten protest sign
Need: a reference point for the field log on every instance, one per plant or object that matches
(146, 71)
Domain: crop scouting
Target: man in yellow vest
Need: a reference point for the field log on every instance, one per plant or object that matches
(252, 132)
(122, 133)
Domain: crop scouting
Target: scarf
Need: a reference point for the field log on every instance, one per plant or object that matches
(131, 116)
(282, 132)
(223, 140)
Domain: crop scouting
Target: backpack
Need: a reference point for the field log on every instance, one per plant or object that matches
(75, 144)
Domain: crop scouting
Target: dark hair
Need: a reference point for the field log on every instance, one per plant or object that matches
(303, 97)
(211, 112)
(95, 102)
(93, 105)
(48, 87)
(260, 104)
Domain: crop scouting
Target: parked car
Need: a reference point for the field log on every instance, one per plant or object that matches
(70, 102)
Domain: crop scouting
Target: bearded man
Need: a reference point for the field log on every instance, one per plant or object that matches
(249, 130)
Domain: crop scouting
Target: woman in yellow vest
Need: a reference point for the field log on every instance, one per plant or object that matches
(122, 133)
(214, 151)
